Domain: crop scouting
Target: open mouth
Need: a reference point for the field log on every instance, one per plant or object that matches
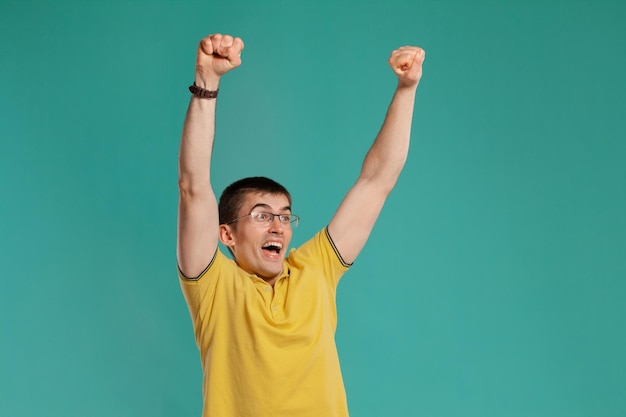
(273, 247)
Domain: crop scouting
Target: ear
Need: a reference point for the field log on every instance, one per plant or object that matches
(226, 235)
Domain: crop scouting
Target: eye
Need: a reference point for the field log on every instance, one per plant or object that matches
(285, 218)
(261, 216)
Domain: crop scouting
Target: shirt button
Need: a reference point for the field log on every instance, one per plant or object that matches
(274, 308)
(268, 288)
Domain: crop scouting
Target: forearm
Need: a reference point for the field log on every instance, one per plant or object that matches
(196, 145)
(386, 157)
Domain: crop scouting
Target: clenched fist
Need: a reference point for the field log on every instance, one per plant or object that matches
(217, 54)
(406, 62)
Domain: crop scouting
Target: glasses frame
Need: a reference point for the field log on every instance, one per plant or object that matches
(292, 218)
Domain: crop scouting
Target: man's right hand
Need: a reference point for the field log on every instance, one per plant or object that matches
(217, 54)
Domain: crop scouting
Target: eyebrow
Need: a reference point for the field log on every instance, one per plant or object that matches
(267, 207)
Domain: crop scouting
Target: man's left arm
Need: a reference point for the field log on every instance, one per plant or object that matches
(352, 223)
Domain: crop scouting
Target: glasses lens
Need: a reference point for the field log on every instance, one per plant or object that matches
(262, 217)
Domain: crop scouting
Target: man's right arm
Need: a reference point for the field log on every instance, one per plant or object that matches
(198, 218)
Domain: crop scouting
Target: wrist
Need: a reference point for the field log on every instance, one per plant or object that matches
(409, 87)
(406, 88)
(207, 81)
(202, 92)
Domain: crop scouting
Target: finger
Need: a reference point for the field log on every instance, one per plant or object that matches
(216, 40)
(238, 45)
(234, 52)
(400, 61)
(420, 54)
(415, 70)
(405, 57)
(224, 47)
(206, 45)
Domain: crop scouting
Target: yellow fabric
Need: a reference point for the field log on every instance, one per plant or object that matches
(270, 351)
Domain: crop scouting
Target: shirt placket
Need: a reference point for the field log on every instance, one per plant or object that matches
(278, 299)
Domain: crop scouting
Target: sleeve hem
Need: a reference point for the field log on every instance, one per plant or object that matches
(184, 278)
(330, 240)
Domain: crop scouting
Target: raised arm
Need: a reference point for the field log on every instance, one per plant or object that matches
(352, 223)
(198, 218)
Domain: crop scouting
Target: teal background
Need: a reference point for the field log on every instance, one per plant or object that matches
(493, 283)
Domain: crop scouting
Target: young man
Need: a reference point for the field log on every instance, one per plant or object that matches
(265, 321)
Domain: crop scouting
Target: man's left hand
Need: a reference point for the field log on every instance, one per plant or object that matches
(406, 62)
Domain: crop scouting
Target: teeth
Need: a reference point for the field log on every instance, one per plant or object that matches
(275, 244)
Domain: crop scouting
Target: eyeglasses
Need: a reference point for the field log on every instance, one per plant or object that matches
(263, 217)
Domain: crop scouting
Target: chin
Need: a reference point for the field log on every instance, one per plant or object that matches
(271, 273)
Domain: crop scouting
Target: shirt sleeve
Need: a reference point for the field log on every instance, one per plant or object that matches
(321, 251)
(200, 292)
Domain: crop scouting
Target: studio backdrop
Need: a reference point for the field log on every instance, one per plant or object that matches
(493, 284)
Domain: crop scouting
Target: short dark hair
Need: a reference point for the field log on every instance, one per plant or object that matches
(233, 196)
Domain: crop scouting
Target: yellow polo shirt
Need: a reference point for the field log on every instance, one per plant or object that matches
(270, 352)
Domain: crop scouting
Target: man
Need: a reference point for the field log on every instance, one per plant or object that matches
(265, 321)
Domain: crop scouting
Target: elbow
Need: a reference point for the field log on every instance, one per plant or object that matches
(383, 179)
(189, 188)
(379, 185)
(184, 186)
(385, 187)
